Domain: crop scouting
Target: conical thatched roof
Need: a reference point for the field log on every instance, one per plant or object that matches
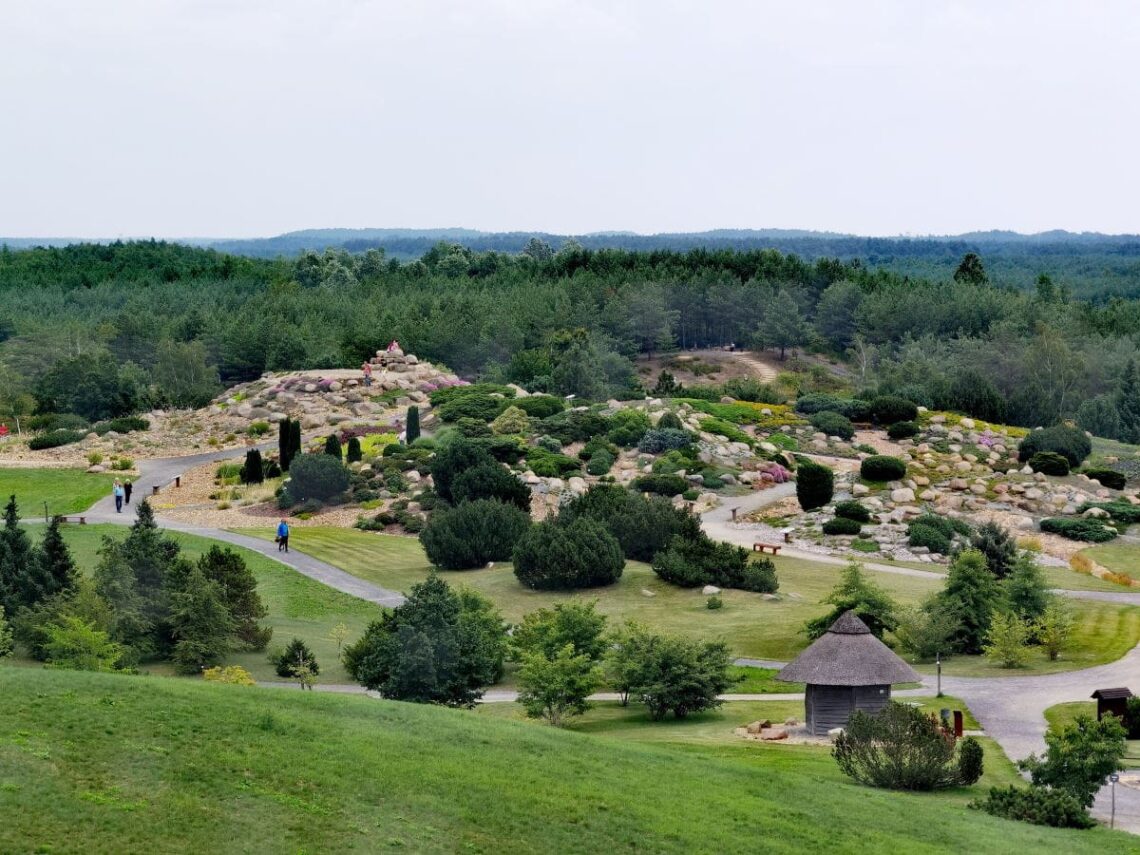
(848, 655)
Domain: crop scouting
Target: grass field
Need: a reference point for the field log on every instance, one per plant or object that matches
(66, 491)
(751, 625)
(298, 606)
(108, 764)
(1118, 556)
(1064, 714)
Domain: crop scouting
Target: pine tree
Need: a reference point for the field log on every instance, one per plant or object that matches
(353, 453)
(332, 446)
(253, 470)
(17, 563)
(1128, 403)
(200, 623)
(412, 431)
(972, 592)
(57, 567)
(238, 588)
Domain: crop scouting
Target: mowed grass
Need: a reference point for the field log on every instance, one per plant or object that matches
(1062, 715)
(109, 764)
(1118, 556)
(298, 606)
(750, 624)
(66, 491)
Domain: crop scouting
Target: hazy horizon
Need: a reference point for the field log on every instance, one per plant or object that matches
(210, 120)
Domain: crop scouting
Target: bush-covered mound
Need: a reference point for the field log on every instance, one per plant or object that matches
(833, 424)
(1049, 463)
(1108, 478)
(643, 526)
(696, 560)
(853, 510)
(888, 409)
(902, 430)
(316, 476)
(1088, 530)
(491, 481)
(1037, 805)
(473, 534)
(54, 439)
(853, 408)
(882, 467)
(555, 556)
(1071, 442)
(662, 485)
(842, 525)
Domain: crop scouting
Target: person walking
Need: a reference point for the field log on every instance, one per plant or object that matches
(127, 487)
(117, 492)
(282, 536)
(367, 369)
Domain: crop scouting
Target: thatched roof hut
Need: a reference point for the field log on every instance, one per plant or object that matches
(845, 669)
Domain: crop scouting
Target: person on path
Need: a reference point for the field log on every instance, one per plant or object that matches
(117, 492)
(282, 536)
(127, 487)
(367, 369)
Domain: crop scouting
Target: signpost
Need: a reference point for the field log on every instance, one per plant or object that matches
(1113, 778)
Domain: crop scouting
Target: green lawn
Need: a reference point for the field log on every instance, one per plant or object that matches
(751, 625)
(298, 606)
(66, 491)
(1120, 557)
(1064, 714)
(107, 764)
(760, 681)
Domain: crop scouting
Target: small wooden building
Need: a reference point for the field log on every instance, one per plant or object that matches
(1113, 701)
(845, 669)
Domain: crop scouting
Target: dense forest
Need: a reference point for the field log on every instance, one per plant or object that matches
(103, 330)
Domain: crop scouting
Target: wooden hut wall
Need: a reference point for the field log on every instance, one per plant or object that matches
(828, 707)
(872, 699)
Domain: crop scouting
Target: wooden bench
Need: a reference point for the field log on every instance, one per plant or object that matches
(80, 520)
(764, 547)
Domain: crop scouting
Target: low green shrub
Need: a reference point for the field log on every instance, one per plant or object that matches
(902, 430)
(855, 409)
(56, 421)
(1061, 439)
(1037, 805)
(853, 510)
(722, 428)
(888, 409)
(540, 406)
(54, 439)
(815, 485)
(561, 557)
(882, 467)
(1087, 530)
(627, 427)
(662, 485)
(123, 424)
(714, 602)
(317, 476)
(842, 525)
(920, 535)
(1124, 512)
(472, 534)
(546, 464)
(833, 424)
(1108, 478)
(600, 463)
(669, 421)
(1049, 463)
(658, 440)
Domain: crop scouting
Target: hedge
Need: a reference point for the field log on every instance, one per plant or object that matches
(552, 556)
(662, 485)
(54, 439)
(853, 510)
(474, 533)
(1108, 478)
(888, 409)
(881, 467)
(815, 485)
(1049, 463)
(902, 430)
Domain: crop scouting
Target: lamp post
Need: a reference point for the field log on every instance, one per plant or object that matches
(1113, 778)
(938, 663)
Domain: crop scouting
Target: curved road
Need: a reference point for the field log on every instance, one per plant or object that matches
(163, 471)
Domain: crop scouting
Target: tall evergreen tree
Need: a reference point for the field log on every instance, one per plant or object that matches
(412, 431)
(285, 443)
(18, 568)
(253, 470)
(1128, 403)
(332, 447)
(200, 623)
(353, 452)
(783, 325)
(238, 589)
(973, 594)
(57, 567)
(294, 439)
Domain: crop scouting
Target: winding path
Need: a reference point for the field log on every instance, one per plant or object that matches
(162, 472)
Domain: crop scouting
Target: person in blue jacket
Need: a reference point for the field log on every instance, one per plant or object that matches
(282, 536)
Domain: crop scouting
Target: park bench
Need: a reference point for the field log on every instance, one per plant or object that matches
(764, 547)
(81, 520)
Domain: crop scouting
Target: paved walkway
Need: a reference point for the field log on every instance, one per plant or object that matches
(162, 472)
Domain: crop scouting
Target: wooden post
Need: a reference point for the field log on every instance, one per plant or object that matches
(958, 723)
(734, 510)
(154, 490)
(177, 480)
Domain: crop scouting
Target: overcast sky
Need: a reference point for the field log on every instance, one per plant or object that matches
(254, 117)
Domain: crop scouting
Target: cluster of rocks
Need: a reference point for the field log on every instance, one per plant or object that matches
(765, 731)
(335, 397)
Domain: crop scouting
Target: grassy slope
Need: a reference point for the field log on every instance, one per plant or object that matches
(297, 605)
(66, 491)
(751, 625)
(98, 763)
